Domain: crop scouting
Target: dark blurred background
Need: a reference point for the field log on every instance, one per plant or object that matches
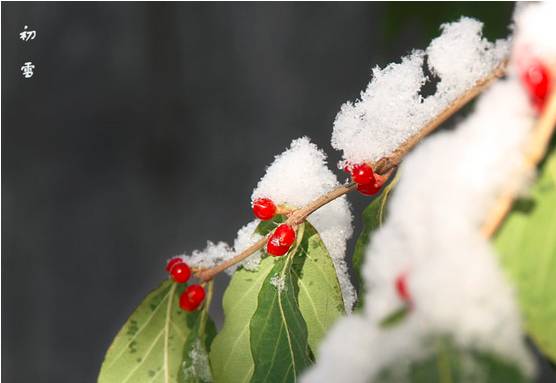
(142, 134)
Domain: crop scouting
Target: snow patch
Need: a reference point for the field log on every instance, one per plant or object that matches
(392, 109)
(279, 282)
(298, 176)
(432, 235)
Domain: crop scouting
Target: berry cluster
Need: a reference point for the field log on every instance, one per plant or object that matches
(283, 237)
(194, 294)
(368, 183)
(536, 79)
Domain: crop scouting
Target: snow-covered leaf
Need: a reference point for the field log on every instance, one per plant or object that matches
(527, 247)
(195, 367)
(149, 347)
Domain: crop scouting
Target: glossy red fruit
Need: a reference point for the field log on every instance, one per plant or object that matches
(372, 188)
(369, 189)
(264, 209)
(276, 250)
(192, 297)
(172, 262)
(281, 240)
(180, 272)
(362, 174)
(537, 80)
(402, 289)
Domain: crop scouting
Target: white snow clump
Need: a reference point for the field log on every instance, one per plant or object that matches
(432, 235)
(215, 253)
(392, 108)
(298, 176)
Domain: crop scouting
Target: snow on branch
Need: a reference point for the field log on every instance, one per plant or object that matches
(392, 108)
(432, 236)
(297, 177)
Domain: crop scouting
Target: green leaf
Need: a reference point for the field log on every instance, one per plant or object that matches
(319, 298)
(230, 353)
(195, 367)
(373, 217)
(149, 346)
(451, 365)
(396, 317)
(279, 339)
(527, 247)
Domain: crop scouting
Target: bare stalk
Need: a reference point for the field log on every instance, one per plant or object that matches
(384, 167)
(535, 152)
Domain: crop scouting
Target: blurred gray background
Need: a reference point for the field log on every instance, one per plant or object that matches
(141, 135)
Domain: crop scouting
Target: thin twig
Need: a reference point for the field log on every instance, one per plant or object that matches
(208, 274)
(295, 218)
(384, 167)
(535, 152)
(298, 216)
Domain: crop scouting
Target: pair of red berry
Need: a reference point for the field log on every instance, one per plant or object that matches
(367, 181)
(283, 237)
(194, 294)
(536, 79)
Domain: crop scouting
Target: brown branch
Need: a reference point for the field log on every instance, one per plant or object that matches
(384, 167)
(535, 152)
(295, 218)
(300, 215)
(208, 274)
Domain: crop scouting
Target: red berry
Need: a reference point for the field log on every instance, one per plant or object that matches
(192, 297)
(172, 262)
(369, 189)
(276, 250)
(264, 209)
(362, 174)
(536, 79)
(281, 240)
(372, 188)
(401, 288)
(180, 272)
(284, 234)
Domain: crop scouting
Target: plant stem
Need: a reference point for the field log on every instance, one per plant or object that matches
(295, 218)
(208, 274)
(298, 216)
(535, 152)
(384, 167)
(204, 313)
